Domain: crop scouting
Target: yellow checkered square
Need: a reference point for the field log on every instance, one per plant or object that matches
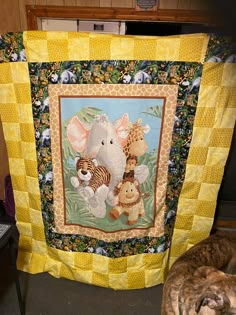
(66, 257)
(25, 113)
(20, 72)
(38, 232)
(205, 208)
(37, 50)
(34, 201)
(208, 191)
(136, 279)
(201, 137)
(27, 132)
(39, 247)
(8, 94)
(78, 48)
(213, 174)
(53, 253)
(225, 118)
(183, 222)
(57, 49)
(194, 173)
(22, 199)
(135, 262)
(34, 36)
(221, 137)
(32, 185)
(153, 277)
(192, 48)
(52, 266)
(205, 117)
(66, 272)
(153, 261)
(83, 276)
(19, 182)
(22, 214)
(186, 206)
(31, 168)
(6, 75)
(145, 49)
(168, 48)
(212, 73)
(232, 101)
(100, 264)
(14, 150)
(122, 48)
(100, 47)
(190, 190)
(118, 281)
(100, 279)
(209, 96)
(11, 131)
(25, 243)
(9, 114)
(35, 217)
(83, 261)
(217, 156)
(197, 236)
(229, 75)
(117, 265)
(28, 150)
(24, 229)
(17, 167)
(22, 92)
(199, 222)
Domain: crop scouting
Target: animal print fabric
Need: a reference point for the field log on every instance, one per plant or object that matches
(197, 94)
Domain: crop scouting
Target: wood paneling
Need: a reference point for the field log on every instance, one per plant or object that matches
(122, 4)
(105, 3)
(183, 4)
(13, 12)
(168, 4)
(121, 14)
(9, 16)
(87, 3)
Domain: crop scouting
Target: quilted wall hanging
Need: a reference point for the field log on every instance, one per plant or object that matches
(116, 148)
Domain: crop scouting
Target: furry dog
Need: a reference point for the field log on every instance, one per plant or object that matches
(201, 281)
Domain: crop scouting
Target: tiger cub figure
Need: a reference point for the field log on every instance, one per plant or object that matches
(90, 175)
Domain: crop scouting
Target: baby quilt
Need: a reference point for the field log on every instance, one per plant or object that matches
(116, 148)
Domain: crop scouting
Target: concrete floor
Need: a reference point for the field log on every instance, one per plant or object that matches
(46, 295)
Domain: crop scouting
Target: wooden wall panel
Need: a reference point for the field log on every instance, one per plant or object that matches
(9, 16)
(105, 3)
(183, 4)
(122, 4)
(168, 4)
(87, 3)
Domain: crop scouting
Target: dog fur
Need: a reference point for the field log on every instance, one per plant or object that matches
(201, 281)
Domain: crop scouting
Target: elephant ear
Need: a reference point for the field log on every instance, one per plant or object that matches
(214, 300)
(77, 134)
(121, 126)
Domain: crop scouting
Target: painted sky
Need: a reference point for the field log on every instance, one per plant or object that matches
(115, 108)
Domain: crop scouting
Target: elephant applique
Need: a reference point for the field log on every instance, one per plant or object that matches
(102, 140)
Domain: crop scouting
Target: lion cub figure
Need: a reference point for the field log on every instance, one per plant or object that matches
(128, 201)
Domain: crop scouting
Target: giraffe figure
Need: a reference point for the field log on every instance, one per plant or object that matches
(136, 144)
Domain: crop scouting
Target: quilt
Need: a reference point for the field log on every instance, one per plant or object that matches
(116, 146)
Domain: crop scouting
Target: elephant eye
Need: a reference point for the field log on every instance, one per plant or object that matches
(111, 141)
(103, 142)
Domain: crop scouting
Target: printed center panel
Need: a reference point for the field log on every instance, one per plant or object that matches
(110, 150)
